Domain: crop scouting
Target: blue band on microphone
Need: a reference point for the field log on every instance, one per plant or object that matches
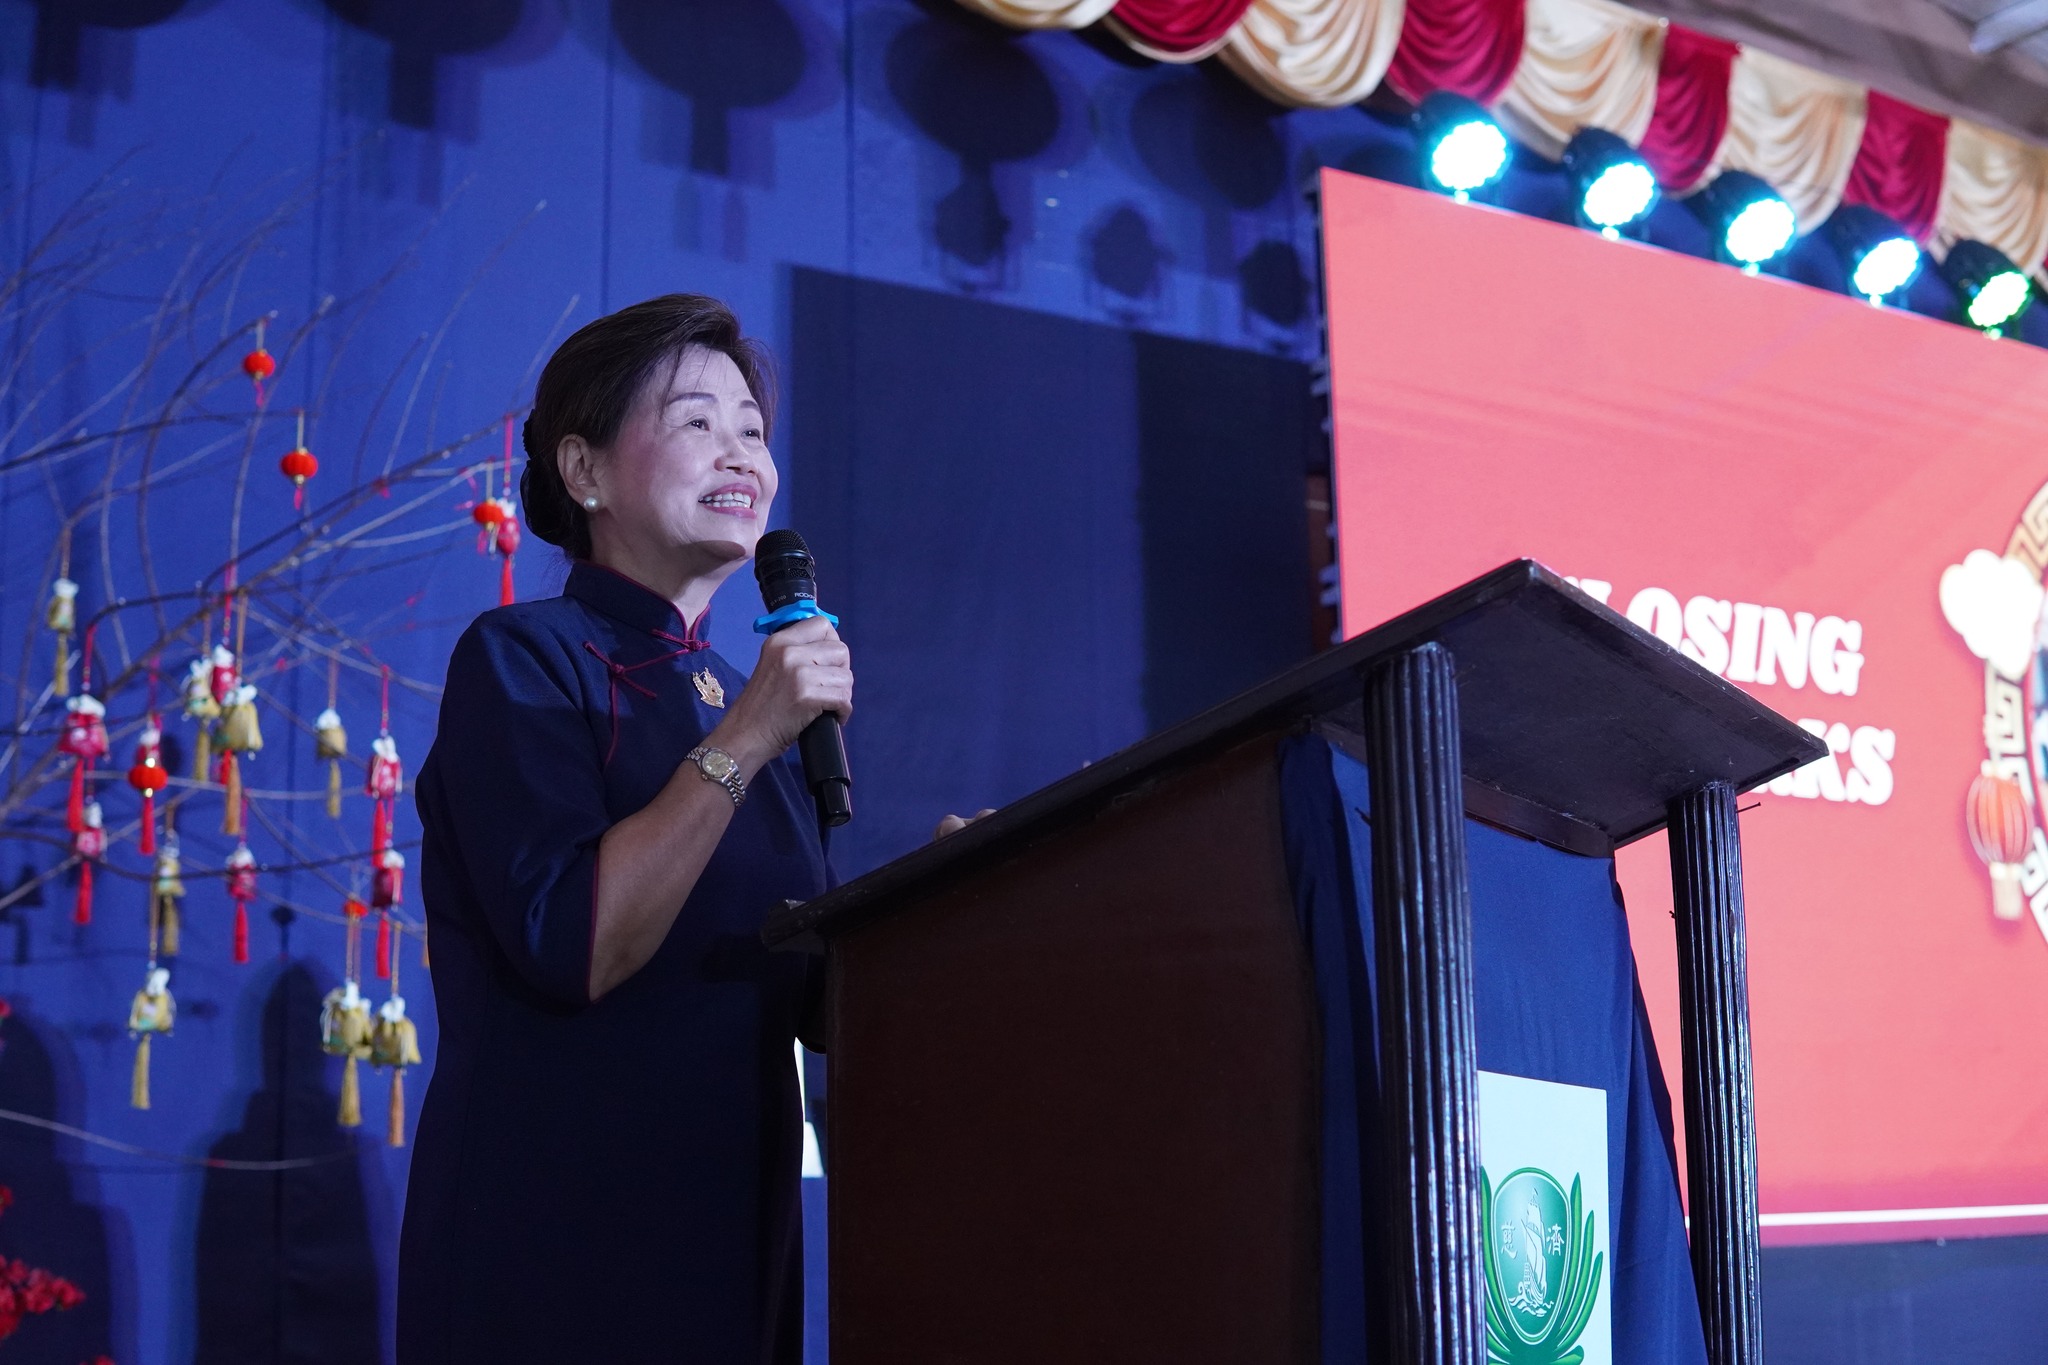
(788, 615)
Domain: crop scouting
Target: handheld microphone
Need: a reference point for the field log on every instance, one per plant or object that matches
(789, 589)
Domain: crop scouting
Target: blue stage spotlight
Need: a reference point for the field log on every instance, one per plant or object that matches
(1880, 257)
(1463, 149)
(1614, 184)
(1751, 223)
(1994, 290)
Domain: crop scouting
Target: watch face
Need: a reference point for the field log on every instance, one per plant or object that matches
(717, 764)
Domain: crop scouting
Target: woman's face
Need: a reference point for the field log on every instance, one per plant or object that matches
(690, 470)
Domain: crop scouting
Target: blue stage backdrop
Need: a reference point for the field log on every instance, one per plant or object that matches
(1047, 320)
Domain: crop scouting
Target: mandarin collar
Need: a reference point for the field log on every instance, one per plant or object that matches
(633, 602)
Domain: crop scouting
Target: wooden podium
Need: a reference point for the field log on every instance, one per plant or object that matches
(1073, 1048)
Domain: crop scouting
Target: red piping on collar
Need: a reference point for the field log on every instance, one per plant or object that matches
(616, 673)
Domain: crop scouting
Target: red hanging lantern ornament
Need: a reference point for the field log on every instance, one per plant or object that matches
(2001, 829)
(85, 740)
(298, 465)
(387, 887)
(89, 843)
(242, 890)
(148, 778)
(259, 364)
(507, 543)
(382, 784)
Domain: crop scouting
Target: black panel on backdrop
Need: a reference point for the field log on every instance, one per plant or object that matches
(1048, 537)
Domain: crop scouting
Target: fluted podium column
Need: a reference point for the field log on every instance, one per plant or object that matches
(1720, 1110)
(1422, 917)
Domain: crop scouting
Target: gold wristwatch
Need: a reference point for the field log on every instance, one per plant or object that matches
(721, 767)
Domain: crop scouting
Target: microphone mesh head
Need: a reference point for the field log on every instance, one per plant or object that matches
(777, 543)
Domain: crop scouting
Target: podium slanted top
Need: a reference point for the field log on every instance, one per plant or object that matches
(1578, 728)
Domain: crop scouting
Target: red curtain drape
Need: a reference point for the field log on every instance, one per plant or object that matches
(1691, 112)
(1469, 47)
(1899, 164)
(1180, 25)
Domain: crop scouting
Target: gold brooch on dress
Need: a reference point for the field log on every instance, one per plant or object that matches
(708, 687)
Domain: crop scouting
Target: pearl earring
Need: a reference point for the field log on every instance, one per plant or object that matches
(591, 502)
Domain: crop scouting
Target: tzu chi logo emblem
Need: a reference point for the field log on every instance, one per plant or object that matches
(1995, 602)
(1542, 1274)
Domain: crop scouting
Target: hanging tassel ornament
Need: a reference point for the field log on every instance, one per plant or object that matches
(199, 706)
(166, 889)
(382, 785)
(62, 617)
(259, 364)
(148, 778)
(298, 465)
(152, 1011)
(240, 739)
(241, 736)
(331, 742)
(85, 740)
(89, 843)
(508, 544)
(345, 1033)
(395, 1042)
(241, 890)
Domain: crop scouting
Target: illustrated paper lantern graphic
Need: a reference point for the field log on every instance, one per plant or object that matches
(2001, 830)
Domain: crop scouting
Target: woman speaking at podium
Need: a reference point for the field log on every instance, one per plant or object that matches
(608, 1161)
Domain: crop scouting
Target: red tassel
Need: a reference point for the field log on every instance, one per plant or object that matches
(383, 947)
(74, 808)
(380, 828)
(146, 842)
(241, 931)
(505, 581)
(82, 912)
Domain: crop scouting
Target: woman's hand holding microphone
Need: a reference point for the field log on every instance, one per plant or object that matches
(805, 670)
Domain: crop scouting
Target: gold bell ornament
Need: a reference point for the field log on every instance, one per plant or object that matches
(166, 889)
(152, 1011)
(200, 706)
(62, 617)
(395, 1042)
(345, 1033)
(331, 741)
(240, 739)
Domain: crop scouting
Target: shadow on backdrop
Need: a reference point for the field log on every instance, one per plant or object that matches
(721, 56)
(422, 33)
(55, 1222)
(59, 60)
(972, 88)
(284, 1264)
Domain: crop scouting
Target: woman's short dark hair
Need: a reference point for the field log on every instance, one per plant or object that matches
(591, 381)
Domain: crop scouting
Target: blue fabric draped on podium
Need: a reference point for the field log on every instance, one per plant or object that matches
(1557, 1000)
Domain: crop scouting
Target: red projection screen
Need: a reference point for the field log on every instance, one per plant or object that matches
(1844, 511)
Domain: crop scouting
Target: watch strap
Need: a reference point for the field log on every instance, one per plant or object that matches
(734, 787)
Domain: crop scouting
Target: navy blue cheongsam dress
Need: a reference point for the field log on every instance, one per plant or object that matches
(612, 1181)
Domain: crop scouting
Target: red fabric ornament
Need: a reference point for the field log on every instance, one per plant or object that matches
(84, 738)
(148, 777)
(1899, 164)
(223, 677)
(89, 843)
(387, 885)
(1178, 29)
(384, 947)
(1468, 47)
(506, 543)
(1691, 113)
(242, 890)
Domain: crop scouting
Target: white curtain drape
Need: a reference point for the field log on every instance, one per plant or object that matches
(1585, 63)
(1319, 54)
